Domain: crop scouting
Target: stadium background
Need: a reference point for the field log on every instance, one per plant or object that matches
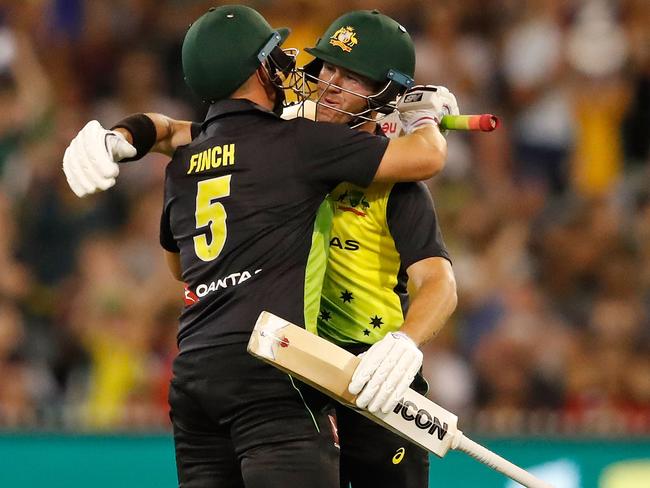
(547, 358)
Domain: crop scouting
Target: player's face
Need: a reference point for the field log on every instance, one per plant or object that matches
(331, 90)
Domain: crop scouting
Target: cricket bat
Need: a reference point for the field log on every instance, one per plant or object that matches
(329, 368)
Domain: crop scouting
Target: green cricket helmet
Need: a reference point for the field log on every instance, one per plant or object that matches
(370, 44)
(225, 46)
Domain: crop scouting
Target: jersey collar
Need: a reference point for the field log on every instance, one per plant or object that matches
(232, 106)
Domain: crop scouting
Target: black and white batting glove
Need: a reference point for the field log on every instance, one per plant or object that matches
(90, 161)
(424, 105)
(385, 372)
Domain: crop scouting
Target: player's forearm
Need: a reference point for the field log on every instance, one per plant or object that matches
(429, 139)
(431, 146)
(33, 86)
(169, 133)
(417, 156)
(434, 301)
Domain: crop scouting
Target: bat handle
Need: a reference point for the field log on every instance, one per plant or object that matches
(483, 122)
(496, 462)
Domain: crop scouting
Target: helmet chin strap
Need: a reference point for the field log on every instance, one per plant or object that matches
(278, 91)
(280, 98)
(280, 65)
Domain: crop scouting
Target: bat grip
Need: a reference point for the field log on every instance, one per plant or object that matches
(496, 462)
(483, 122)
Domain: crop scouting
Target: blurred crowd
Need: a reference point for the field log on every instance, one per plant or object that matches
(547, 219)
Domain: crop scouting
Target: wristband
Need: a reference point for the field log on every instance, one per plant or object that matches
(143, 133)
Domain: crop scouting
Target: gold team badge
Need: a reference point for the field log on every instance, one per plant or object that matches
(345, 38)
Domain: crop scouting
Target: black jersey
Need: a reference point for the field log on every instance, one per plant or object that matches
(240, 205)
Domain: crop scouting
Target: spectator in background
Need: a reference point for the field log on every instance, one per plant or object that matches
(640, 236)
(599, 395)
(17, 404)
(25, 97)
(113, 318)
(636, 129)
(15, 278)
(597, 52)
(454, 56)
(535, 74)
(26, 382)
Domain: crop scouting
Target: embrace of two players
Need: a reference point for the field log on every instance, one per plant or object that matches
(354, 251)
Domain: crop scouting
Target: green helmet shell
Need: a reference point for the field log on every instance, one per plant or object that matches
(222, 49)
(370, 44)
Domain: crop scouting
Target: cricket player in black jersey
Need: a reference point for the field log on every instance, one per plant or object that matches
(240, 206)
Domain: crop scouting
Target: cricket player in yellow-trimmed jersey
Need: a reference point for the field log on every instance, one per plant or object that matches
(377, 234)
(382, 237)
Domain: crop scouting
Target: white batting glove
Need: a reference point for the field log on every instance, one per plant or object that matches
(385, 372)
(90, 161)
(425, 105)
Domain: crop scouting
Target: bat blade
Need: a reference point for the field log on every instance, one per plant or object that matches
(329, 368)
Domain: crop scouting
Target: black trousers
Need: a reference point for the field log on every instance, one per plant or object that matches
(241, 423)
(372, 456)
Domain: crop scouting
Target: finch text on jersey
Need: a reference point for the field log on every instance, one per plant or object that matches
(212, 158)
(231, 280)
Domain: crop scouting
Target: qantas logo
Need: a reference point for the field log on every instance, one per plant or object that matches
(233, 279)
(347, 244)
(189, 297)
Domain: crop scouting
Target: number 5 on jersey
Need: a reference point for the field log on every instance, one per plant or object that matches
(212, 214)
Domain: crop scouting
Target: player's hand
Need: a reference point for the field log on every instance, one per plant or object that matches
(385, 372)
(425, 105)
(90, 161)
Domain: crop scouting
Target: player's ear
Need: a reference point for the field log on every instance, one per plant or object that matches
(262, 75)
(264, 79)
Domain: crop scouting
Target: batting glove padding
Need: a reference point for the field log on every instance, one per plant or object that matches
(90, 161)
(425, 105)
(385, 372)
